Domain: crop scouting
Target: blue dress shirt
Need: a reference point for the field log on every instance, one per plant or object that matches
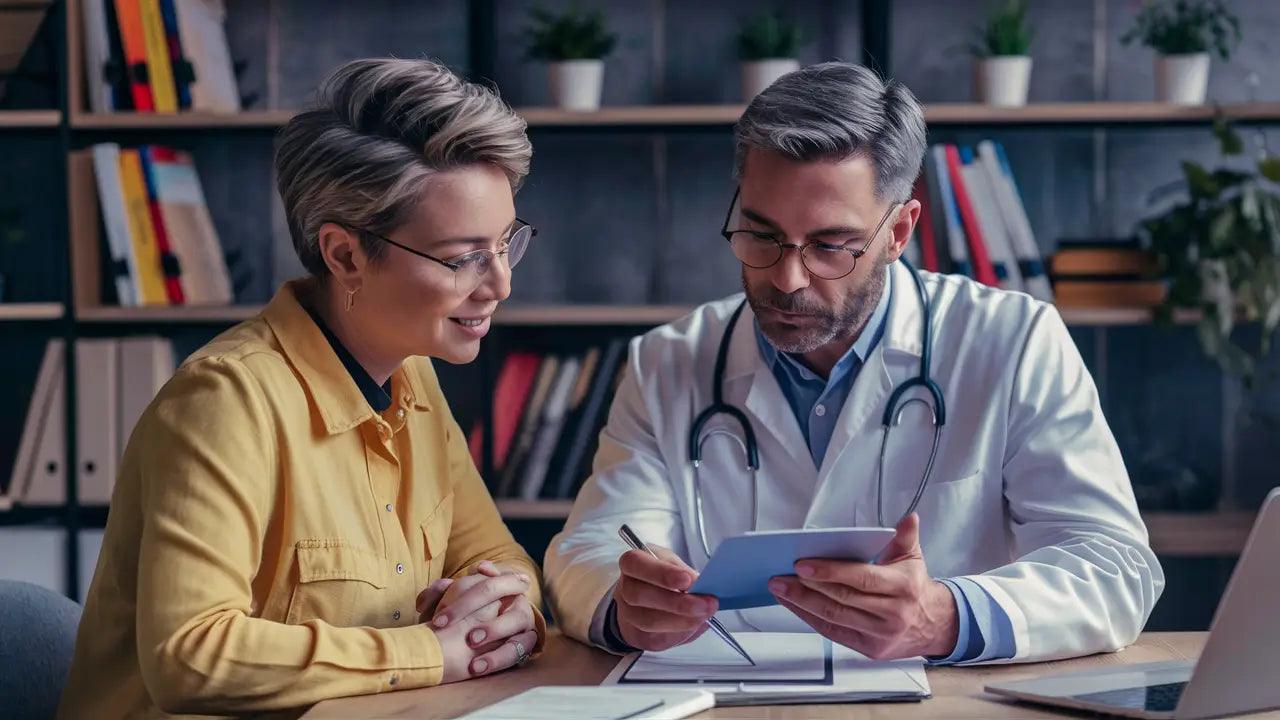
(985, 630)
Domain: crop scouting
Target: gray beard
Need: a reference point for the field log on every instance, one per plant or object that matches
(833, 324)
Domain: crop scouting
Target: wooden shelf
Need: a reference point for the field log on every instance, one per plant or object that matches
(937, 114)
(176, 315)
(31, 311)
(29, 118)
(534, 510)
(1211, 534)
(180, 121)
(589, 314)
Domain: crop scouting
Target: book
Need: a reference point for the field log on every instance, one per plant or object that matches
(1008, 199)
(153, 285)
(170, 265)
(133, 43)
(182, 72)
(179, 198)
(928, 240)
(202, 32)
(993, 231)
(550, 424)
(587, 428)
(530, 415)
(940, 183)
(1102, 294)
(159, 68)
(115, 220)
(573, 416)
(97, 57)
(983, 271)
(1128, 262)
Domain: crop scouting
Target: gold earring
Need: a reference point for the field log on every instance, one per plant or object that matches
(351, 298)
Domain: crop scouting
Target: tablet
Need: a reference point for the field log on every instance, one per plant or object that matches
(739, 571)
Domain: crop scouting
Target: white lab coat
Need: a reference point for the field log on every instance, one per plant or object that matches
(1029, 496)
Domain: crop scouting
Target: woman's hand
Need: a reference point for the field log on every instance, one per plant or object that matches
(479, 619)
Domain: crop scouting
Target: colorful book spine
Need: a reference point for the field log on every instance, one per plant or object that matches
(163, 90)
(133, 40)
(151, 279)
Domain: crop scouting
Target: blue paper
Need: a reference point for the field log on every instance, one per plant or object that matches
(739, 571)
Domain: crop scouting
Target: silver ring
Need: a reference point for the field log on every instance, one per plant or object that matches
(521, 655)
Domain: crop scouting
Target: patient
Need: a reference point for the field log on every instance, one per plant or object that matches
(297, 516)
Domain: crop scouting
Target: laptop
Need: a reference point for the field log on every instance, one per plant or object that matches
(1236, 673)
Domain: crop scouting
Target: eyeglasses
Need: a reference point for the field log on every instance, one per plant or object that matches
(828, 261)
(470, 269)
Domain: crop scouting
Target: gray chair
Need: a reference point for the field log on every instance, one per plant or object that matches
(37, 640)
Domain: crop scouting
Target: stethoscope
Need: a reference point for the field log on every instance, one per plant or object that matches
(892, 417)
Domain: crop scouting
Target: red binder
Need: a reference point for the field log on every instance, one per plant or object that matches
(983, 270)
(928, 241)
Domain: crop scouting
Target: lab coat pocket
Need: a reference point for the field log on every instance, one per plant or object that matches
(436, 530)
(336, 580)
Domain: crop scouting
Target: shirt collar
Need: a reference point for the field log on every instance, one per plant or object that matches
(378, 396)
(855, 355)
(334, 391)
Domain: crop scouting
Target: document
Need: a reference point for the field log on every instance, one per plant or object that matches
(790, 668)
(597, 703)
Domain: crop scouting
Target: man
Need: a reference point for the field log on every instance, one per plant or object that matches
(1026, 543)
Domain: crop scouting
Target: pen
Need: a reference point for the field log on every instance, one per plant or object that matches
(632, 540)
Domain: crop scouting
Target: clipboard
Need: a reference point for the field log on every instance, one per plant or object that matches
(739, 571)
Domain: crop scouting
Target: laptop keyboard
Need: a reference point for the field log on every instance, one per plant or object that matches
(1156, 698)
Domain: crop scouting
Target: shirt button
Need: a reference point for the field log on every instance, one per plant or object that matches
(820, 410)
(399, 569)
(395, 615)
(400, 413)
(394, 679)
(388, 507)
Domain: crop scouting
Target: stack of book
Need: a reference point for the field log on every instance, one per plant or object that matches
(162, 246)
(974, 222)
(158, 56)
(548, 411)
(1105, 274)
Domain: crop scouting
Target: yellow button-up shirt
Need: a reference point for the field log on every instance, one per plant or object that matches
(270, 532)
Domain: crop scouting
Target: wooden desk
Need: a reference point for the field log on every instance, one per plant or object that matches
(957, 692)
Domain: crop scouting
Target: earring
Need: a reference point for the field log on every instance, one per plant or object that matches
(351, 299)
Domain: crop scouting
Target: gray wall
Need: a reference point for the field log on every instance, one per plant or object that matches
(633, 217)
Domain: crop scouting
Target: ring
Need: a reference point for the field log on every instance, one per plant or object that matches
(521, 655)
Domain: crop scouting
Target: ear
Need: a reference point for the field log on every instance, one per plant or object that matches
(903, 223)
(343, 254)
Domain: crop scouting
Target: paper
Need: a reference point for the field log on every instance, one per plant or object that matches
(780, 657)
(596, 703)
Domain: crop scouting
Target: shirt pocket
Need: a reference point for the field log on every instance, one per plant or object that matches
(436, 530)
(336, 582)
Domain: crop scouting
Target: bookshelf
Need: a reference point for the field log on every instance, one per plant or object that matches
(79, 312)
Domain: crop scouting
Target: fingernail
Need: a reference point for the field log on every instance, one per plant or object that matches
(477, 637)
(525, 578)
(440, 621)
(805, 571)
(777, 587)
(709, 606)
(479, 666)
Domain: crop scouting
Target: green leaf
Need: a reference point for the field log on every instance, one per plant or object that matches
(1228, 139)
(1199, 180)
(1269, 168)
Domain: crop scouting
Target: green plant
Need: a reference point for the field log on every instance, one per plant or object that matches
(770, 35)
(575, 35)
(1180, 27)
(1220, 250)
(1006, 32)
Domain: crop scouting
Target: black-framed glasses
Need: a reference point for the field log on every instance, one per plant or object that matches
(470, 269)
(828, 261)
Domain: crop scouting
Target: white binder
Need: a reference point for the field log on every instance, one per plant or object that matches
(146, 364)
(49, 375)
(47, 481)
(97, 416)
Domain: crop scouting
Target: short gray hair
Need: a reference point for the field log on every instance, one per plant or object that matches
(836, 111)
(378, 130)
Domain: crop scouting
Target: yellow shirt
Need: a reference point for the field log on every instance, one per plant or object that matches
(269, 534)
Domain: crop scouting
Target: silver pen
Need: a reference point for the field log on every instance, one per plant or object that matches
(635, 543)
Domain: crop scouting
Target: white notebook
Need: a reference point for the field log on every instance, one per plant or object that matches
(597, 703)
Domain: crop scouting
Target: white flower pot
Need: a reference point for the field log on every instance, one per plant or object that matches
(1002, 80)
(1182, 79)
(577, 84)
(760, 74)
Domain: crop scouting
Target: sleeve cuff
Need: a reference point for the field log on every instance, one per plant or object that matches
(965, 633)
(416, 656)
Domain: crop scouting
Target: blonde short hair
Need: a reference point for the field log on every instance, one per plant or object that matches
(379, 129)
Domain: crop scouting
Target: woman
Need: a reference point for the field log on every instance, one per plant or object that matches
(288, 505)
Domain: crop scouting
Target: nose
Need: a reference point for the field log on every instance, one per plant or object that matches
(790, 274)
(496, 284)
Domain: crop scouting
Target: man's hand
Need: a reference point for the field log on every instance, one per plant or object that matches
(892, 609)
(654, 611)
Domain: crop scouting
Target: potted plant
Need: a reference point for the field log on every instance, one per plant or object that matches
(1002, 65)
(1183, 32)
(768, 45)
(574, 45)
(1220, 250)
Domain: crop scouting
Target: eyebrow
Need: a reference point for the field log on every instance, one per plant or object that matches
(824, 232)
(476, 240)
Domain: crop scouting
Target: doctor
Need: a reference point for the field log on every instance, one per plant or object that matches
(1025, 542)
